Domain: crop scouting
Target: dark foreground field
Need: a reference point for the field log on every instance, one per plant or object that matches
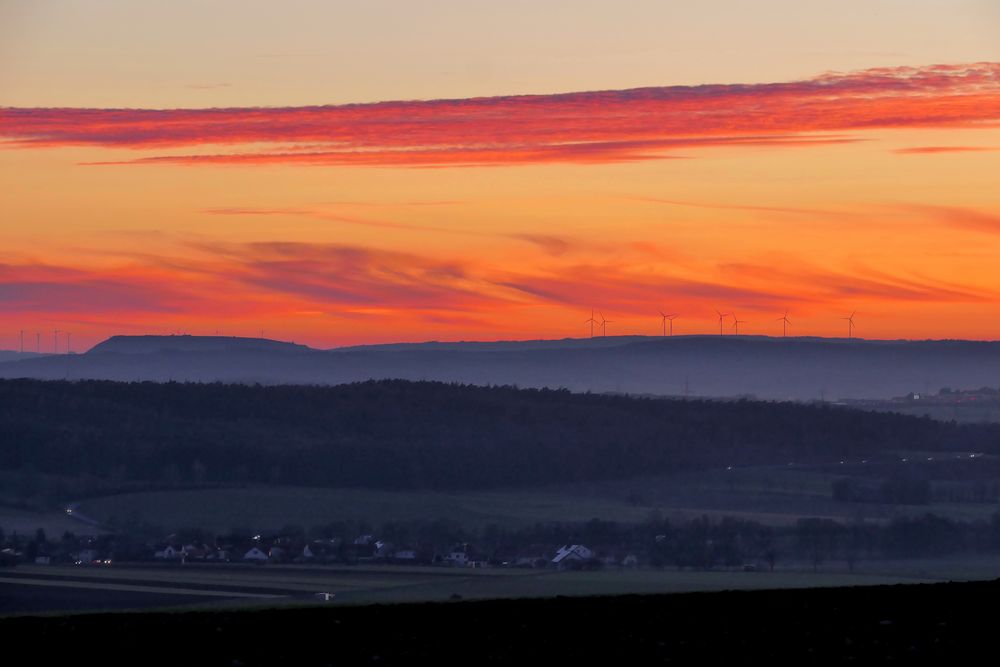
(897, 624)
(30, 599)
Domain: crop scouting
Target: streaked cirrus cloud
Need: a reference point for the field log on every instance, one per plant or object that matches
(933, 150)
(31, 287)
(585, 127)
(279, 279)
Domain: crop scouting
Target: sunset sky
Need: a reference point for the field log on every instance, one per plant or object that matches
(346, 172)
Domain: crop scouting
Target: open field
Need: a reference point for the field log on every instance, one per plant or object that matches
(26, 522)
(907, 624)
(965, 414)
(30, 598)
(270, 508)
(774, 495)
(31, 588)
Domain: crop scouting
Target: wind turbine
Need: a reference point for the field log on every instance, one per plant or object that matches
(592, 322)
(737, 323)
(784, 324)
(722, 318)
(850, 325)
(604, 325)
(55, 342)
(665, 319)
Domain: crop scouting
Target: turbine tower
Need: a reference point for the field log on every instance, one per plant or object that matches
(737, 323)
(671, 318)
(55, 342)
(850, 325)
(722, 318)
(592, 322)
(784, 324)
(604, 325)
(667, 318)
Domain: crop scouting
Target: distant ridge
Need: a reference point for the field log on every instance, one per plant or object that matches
(187, 343)
(11, 355)
(800, 368)
(618, 341)
(500, 345)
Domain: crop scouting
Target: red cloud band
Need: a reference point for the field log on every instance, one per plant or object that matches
(603, 126)
(273, 279)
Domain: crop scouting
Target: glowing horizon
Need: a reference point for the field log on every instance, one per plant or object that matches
(509, 217)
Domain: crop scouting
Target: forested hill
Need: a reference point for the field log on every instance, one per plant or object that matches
(398, 434)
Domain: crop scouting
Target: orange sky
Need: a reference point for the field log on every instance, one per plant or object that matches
(872, 190)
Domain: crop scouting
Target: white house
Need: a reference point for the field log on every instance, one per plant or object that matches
(459, 555)
(568, 553)
(255, 555)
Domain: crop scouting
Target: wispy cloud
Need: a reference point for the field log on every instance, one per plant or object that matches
(336, 274)
(932, 150)
(321, 214)
(207, 86)
(587, 127)
(820, 285)
(737, 207)
(548, 243)
(246, 210)
(631, 289)
(957, 216)
(476, 156)
(216, 281)
(553, 245)
(44, 288)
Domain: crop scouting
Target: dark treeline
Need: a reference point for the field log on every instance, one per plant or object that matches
(424, 435)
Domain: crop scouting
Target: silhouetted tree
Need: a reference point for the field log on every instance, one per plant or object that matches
(817, 538)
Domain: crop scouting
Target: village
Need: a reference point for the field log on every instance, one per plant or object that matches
(106, 550)
(702, 543)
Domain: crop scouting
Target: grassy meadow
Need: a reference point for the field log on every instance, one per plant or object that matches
(775, 495)
(152, 586)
